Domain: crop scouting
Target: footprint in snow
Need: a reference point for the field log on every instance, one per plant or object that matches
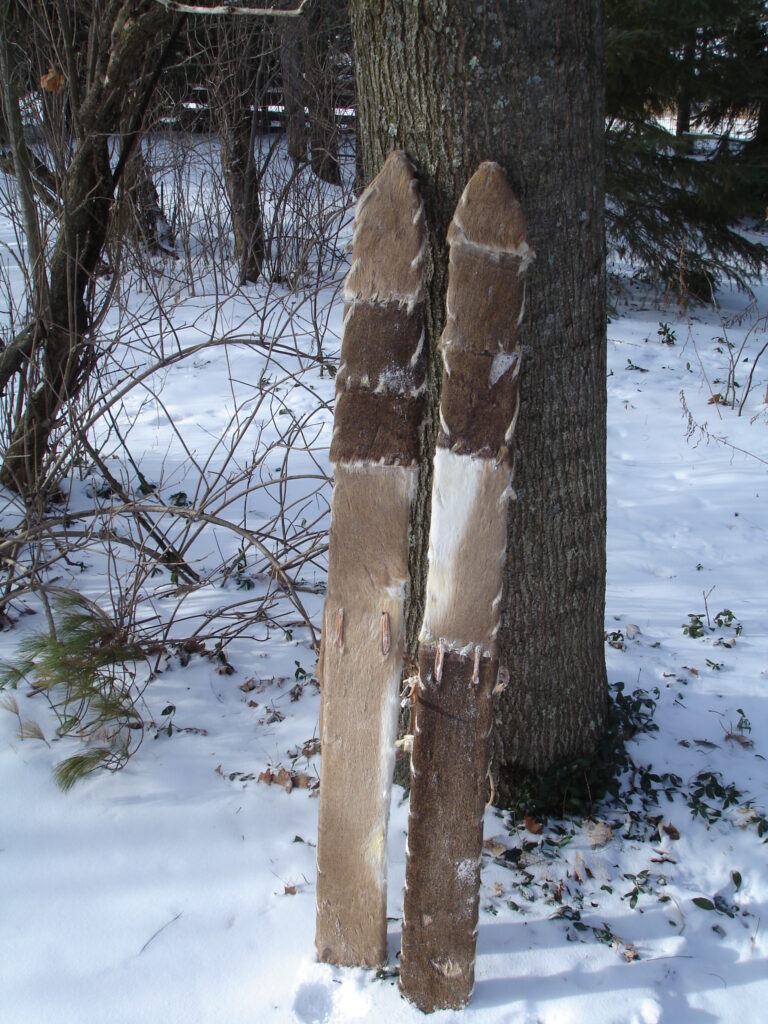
(313, 1003)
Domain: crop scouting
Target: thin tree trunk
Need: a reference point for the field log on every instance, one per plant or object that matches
(243, 191)
(323, 131)
(291, 53)
(61, 328)
(683, 122)
(522, 84)
(145, 210)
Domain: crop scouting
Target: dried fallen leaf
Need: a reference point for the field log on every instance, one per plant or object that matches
(248, 685)
(670, 830)
(631, 630)
(290, 890)
(301, 781)
(52, 81)
(599, 833)
(494, 847)
(533, 826)
(630, 953)
(498, 889)
(693, 671)
(310, 748)
(579, 869)
(743, 741)
(716, 399)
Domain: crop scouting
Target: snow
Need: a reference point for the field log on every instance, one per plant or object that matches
(181, 889)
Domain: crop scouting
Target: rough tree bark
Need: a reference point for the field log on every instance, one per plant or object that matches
(522, 84)
(291, 67)
(323, 131)
(239, 45)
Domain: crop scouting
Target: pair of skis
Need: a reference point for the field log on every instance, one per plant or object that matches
(375, 447)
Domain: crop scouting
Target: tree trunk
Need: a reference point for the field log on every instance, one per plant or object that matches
(129, 51)
(323, 130)
(291, 53)
(146, 220)
(522, 84)
(242, 186)
(684, 102)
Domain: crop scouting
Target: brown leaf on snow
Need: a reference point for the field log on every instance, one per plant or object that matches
(630, 953)
(670, 830)
(248, 685)
(532, 825)
(288, 780)
(498, 889)
(494, 847)
(579, 869)
(736, 737)
(693, 671)
(310, 748)
(716, 399)
(290, 890)
(599, 833)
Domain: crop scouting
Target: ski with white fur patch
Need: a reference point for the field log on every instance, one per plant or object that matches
(380, 390)
(458, 651)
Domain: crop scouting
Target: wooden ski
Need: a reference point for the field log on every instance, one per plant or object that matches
(458, 653)
(380, 390)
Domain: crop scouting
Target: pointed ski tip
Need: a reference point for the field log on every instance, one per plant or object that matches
(389, 237)
(489, 213)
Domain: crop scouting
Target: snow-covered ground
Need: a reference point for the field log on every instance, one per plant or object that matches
(182, 888)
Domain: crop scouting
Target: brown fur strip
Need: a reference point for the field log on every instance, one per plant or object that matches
(485, 318)
(477, 417)
(367, 576)
(380, 385)
(378, 413)
(445, 829)
(486, 296)
(389, 238)
(467, 545)
(376, 428)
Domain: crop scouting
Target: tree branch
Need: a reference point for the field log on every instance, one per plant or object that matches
(230, 7)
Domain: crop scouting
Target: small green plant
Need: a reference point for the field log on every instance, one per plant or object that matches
(666, 334)
(640, 886)
(694, 628)
(237, 570)
(743, 726)
(87, 671)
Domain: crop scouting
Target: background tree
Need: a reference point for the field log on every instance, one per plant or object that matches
(127, 44)
(454, 84)
(676, 201)
(244, 52)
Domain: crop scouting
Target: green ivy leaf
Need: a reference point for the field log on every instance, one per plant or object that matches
(703, 903)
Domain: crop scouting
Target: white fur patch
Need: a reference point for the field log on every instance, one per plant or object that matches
(502, 363)
(461, 486)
